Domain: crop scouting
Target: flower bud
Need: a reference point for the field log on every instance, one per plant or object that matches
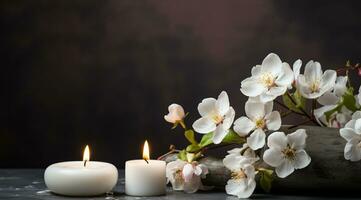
(176, 113)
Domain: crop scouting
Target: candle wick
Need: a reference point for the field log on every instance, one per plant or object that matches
(85, 162)
(146, 161)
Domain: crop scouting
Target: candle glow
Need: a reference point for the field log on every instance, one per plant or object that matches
(86, 155)
(146, 151)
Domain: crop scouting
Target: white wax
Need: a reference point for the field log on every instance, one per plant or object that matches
(143, 179)
(73, 179)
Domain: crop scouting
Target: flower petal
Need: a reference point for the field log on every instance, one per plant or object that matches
(272, 93)
(232, 162)
(219, 134)
(235, 187)
(198, 170)
(256, 70)
(249, 171)
(254, 111)
(272, 64)
(188, 172)
(348, 134)
(297, 139)
(356, 115)
(240, 188)
(350, 124)
(297, 68)
(228, 118)
(257, 139)
(273, 157)
(207, 106)
(328, 80)
(193, 185)
(286, 78)
(268, 107)
(303, 87)
(358, 126)
(302, 159)
(243, 125)
(277, 140)
(251, 87)
(278, 91)
(340, 86)
(328, 98)
(285, 169)
(352, 152)
(222, 103)
(204, 170)
(313, 71)
(273, 121)
(204, 125)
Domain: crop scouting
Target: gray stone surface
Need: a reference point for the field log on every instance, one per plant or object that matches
(29, 184)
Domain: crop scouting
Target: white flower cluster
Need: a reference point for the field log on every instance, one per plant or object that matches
(352, 134)
(285, 153)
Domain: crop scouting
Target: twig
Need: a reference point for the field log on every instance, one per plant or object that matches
(168, 153)
(291, 111)
(313, 107)
(301, 109)
(281, 104)
(285, 114)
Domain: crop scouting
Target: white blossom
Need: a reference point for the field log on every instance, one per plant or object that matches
(242, 182)
(186, 176)
(269, 80)
(352, 134)
(216, 115)
(314, 83)
(334, 95)
(296, 69)
(338, 119)
(176, 113)
(286, 153)
(244, 155)
(260, 118)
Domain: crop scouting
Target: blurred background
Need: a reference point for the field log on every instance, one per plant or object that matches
(104, 72)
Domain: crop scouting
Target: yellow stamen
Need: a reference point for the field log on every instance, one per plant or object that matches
(217, 119)
(315, 86)
(237, 175)
(260, 123)
(289, 153)
(268, 80)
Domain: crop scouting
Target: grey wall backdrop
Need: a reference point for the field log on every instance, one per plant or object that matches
(103, 72)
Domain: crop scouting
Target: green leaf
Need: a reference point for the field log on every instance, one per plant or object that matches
(233, 137)
(189, 134)
(299, 100)
(348, 100)
(206, 140)
(182, 155)
(193, 148)
(266, 179)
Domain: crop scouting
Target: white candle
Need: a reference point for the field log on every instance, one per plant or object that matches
(145, 177)
(81, 178)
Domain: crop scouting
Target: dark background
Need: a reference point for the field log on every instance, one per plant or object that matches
(104, 72)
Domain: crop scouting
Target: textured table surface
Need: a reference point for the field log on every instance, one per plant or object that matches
(29, 184)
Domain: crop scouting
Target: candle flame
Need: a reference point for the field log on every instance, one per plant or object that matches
(86, 155)
(146, 151)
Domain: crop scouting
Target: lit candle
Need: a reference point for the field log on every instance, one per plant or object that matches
(81, 178)
(145, 177)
